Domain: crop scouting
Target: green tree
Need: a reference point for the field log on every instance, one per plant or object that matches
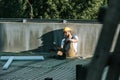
(91, 10)
(46, 9)
(65, 9)
(15, 8)
(86, 9)
(51, 9)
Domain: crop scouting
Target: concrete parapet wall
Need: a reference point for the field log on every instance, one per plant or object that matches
(17, 37)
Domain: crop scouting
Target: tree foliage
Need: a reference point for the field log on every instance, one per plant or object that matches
(50, 9)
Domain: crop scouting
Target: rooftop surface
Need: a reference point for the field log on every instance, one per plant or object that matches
(39, 70)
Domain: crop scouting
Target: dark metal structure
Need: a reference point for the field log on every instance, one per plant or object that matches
(103, 57)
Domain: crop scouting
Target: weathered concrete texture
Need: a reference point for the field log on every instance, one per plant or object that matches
(39, 70)
(17, 37)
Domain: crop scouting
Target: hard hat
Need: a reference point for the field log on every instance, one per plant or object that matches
(67, 29)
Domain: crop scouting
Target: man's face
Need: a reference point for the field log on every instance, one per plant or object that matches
(67, 33)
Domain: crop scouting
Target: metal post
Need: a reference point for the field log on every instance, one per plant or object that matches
(11, 58)
(22, 57)
(8, 62)
(48, 78)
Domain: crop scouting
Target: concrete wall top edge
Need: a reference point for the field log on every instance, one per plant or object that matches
(36, 20)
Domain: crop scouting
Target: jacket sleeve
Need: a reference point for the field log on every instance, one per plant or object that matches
(62, 43)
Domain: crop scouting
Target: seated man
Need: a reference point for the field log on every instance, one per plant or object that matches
(68, 45)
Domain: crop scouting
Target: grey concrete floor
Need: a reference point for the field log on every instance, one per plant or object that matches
(39, 70)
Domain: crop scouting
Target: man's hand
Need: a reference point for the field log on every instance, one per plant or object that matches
(73, 40)
(60, 53)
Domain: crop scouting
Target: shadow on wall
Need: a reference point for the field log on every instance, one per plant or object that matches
(2, 37)
(48, 40)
